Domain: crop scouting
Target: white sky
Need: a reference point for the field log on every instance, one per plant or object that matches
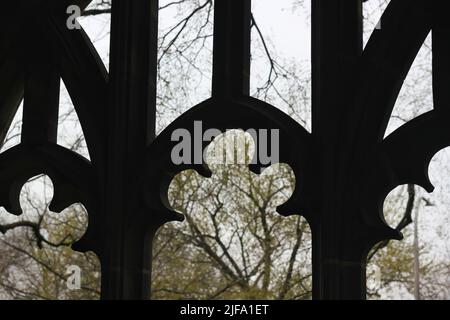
(288, 27)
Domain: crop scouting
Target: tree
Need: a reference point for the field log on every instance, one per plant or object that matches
(232, 239)
(232, 244)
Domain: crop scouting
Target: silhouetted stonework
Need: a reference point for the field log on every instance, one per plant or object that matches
(345, 168)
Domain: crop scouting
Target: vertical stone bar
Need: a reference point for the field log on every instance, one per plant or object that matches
(11, 71)
(338, 269)
(131, 121)
(231, 59)
(42, 86)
